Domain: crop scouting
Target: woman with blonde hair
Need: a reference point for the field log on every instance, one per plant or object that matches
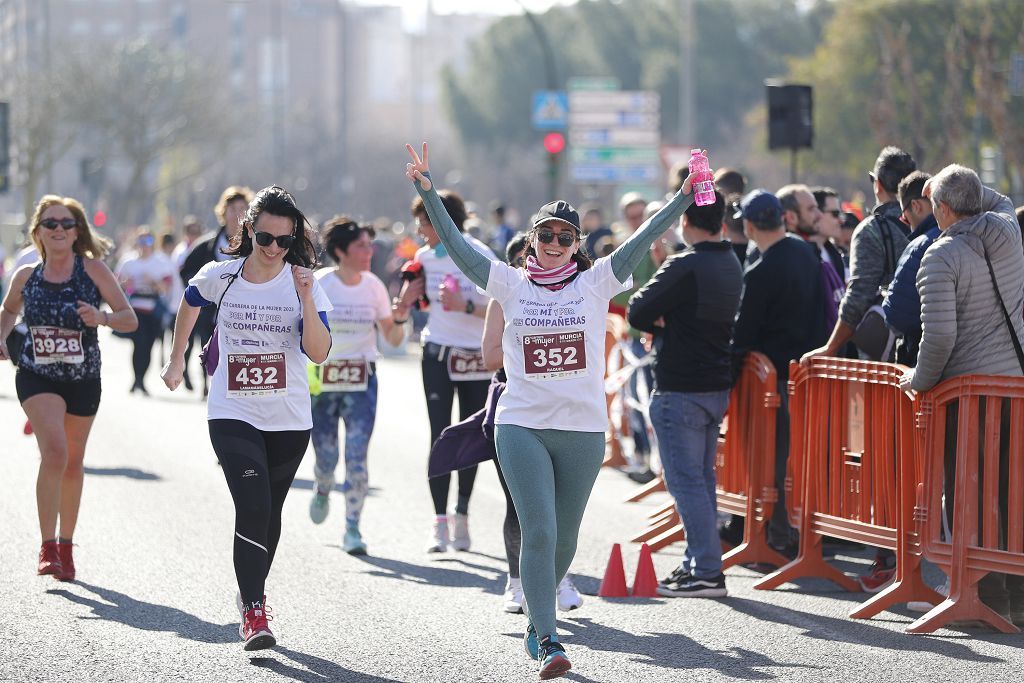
(58, 378)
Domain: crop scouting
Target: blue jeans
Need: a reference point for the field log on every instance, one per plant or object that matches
(687, 428)
(359, 411)
(637, 424)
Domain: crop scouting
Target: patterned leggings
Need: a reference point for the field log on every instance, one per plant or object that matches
(359, 411)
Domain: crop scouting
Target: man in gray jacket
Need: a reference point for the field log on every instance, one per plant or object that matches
(964, 331)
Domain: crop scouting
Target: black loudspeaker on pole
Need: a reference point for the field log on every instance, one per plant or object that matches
(790, 118)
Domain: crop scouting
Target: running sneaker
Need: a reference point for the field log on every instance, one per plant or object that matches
(460, 532)
(514, 596)
(569, 597)
(530, 643)
(319, 506)
(925, 606)
(241, 610)
(880, 576)
(553, 660)
(678, 574)
(439, 544)
(693, 587)
(49, 558)
(255, 629)
(353, 543)
(67, 562)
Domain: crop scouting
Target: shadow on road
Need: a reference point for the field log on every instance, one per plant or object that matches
(435, 574)
(319, 669)
(309, 485)
(670, 651)
(147, 616)
(129, 472)
(856, 632)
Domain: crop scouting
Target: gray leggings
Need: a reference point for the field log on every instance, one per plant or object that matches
(550, 474)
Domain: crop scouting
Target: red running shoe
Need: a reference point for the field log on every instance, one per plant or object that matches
(256, 631)
(67, 563)
(49, 558)
(878, 578)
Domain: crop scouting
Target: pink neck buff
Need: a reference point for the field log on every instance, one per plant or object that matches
(551, 278)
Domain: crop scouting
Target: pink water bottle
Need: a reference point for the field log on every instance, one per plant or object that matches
(451, 284)
(704, 186)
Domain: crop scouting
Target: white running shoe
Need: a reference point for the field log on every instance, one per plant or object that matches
(440, 542)
(460, 532)
(569, 597)
(514, 596)
(923, 606)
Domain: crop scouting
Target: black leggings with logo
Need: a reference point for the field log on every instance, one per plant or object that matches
(259, 467)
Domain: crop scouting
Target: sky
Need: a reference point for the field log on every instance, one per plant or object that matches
(416, 7)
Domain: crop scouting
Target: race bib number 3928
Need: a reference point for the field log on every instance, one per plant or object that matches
(555, 356)
(256, 374)
(56, 345)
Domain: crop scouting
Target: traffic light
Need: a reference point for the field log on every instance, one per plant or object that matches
(554, 145)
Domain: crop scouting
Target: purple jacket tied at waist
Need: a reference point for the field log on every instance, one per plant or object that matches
(469, 442)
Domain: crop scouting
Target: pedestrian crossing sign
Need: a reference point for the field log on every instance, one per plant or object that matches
(550, 110)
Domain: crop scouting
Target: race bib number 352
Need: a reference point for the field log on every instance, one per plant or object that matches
(56, 345)
(555, 356)
(257, 374)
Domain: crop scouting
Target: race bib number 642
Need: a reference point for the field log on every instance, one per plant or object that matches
(256, 374)
(555, 356)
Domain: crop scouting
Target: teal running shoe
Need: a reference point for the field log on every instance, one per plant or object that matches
(319, 507)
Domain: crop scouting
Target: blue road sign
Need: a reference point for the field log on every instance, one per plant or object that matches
(550, 110)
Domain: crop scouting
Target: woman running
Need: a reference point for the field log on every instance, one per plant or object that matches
(58, 378)
(270, 311)
(348, 380)
(451, 362)
(550, 422)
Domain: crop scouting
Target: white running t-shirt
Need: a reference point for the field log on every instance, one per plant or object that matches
(453, 328)
(261, 376)
(357, 308)
(554, 348)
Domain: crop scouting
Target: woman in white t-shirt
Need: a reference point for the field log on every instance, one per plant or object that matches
(452, 362)
(146, 277)
(345, 385)
(271, 315)
(550, 422)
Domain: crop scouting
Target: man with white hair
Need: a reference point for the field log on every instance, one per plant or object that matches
(968, 278)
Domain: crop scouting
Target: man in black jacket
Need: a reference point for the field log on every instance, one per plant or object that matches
(230, 210)
(690, 305)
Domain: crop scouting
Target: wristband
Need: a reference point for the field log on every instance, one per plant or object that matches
(106, 318)
(470, 306)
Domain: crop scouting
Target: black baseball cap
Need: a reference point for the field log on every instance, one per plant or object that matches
(760, 206)
(557, 210)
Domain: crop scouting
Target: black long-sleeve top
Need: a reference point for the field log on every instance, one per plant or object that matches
(697, 292)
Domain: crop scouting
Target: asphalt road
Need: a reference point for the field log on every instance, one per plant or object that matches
(154, 600)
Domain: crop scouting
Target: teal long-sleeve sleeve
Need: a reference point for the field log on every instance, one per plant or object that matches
(628, 256)
(471, 262)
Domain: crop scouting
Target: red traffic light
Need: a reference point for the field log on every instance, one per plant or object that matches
(554, 143)
(99, 219)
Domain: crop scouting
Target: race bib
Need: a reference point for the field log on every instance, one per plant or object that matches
(467, 366)
(560, 355)
(56, 345)
(257, 374)
(344, 375)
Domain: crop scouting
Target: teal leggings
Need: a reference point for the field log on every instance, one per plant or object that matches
(550, 474)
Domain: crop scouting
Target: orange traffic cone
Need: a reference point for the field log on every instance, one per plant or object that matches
(614, 583)
(645, 583)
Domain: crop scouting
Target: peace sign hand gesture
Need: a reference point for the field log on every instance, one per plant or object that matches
(417, 168)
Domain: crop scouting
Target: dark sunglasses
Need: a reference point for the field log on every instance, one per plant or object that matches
(54, 223)
(265, 239)
(836, 213)
(565, 239)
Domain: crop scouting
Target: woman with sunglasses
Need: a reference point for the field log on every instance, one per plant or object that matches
(146, 276)
(550, 422)
(271, 312)
(58, 379)
(346, 384)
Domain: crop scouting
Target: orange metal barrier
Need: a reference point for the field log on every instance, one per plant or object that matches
(990, 422)
(854, 472)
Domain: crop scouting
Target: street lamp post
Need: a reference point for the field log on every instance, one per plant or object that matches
(552, 81)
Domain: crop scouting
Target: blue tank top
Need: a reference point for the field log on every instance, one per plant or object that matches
(57, 335)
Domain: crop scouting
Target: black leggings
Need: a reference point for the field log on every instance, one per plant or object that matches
(510, 530)
(440, 392)
(142, 344)
(259, 467)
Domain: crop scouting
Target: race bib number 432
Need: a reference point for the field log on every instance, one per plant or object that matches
(56, 345)
(555, 356)
(257, 374)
